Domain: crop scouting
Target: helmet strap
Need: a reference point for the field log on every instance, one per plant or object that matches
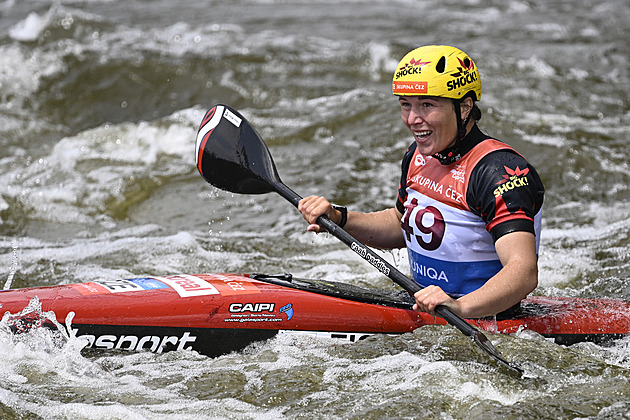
(453, 154)
(461, 125)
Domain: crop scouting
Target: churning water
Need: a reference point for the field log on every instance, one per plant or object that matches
(100, 101)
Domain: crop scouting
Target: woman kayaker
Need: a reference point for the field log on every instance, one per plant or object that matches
(469, 206)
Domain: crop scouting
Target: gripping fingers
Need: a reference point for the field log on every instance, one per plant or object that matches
(430, 297)
(311, 208)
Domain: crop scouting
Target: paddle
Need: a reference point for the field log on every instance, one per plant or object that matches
(233, 157)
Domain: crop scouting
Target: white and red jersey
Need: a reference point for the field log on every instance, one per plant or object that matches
(454, 212)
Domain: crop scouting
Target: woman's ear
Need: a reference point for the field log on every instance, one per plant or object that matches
(466, 106)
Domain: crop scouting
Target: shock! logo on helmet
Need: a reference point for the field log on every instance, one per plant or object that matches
(437, 70)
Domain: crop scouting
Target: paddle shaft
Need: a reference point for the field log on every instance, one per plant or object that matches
(378, 262)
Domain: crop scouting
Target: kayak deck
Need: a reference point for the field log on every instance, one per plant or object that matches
(566, 320)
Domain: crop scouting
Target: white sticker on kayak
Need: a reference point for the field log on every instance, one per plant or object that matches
(231, 117)
(115, 286)
(188, 286)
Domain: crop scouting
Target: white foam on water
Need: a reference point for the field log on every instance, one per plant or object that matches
(30, 28)
(21, 71)
(126, 253)
(31, 359)
(37, 369)
(355, 381)
(569, 248)
(277, 378)
(77, 180)
(82, 174)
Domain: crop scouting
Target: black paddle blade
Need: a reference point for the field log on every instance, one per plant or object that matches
(232, 156)
(478, 337)
(485, 344)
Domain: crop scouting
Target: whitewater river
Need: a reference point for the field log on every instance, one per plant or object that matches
(100, 101)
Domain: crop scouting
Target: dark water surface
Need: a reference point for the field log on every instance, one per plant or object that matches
(99, 105)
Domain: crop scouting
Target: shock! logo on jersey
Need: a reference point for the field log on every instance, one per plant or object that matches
(514, 178)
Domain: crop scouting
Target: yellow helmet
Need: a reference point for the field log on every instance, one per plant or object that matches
(437, 70)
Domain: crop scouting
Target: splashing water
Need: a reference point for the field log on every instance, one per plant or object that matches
(33, 317)
(14, 265)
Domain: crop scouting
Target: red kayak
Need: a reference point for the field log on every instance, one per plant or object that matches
(214, 314)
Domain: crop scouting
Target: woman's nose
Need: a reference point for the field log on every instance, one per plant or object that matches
(414, 117)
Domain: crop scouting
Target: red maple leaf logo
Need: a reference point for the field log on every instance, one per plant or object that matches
(415, 62)
(470, 66)
(464, 68)
(513, 173)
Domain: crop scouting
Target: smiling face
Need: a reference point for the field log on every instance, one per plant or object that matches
(431, 120)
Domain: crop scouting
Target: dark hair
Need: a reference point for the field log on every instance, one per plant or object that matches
(475, 114)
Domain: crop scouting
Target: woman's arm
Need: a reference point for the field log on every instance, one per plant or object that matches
(517, 278)
(379, 229)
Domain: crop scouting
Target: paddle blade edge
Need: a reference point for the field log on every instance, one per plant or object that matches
(231, 155)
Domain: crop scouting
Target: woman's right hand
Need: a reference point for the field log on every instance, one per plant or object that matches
(312, 207)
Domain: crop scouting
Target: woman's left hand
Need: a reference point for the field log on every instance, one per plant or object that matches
(430, 297)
